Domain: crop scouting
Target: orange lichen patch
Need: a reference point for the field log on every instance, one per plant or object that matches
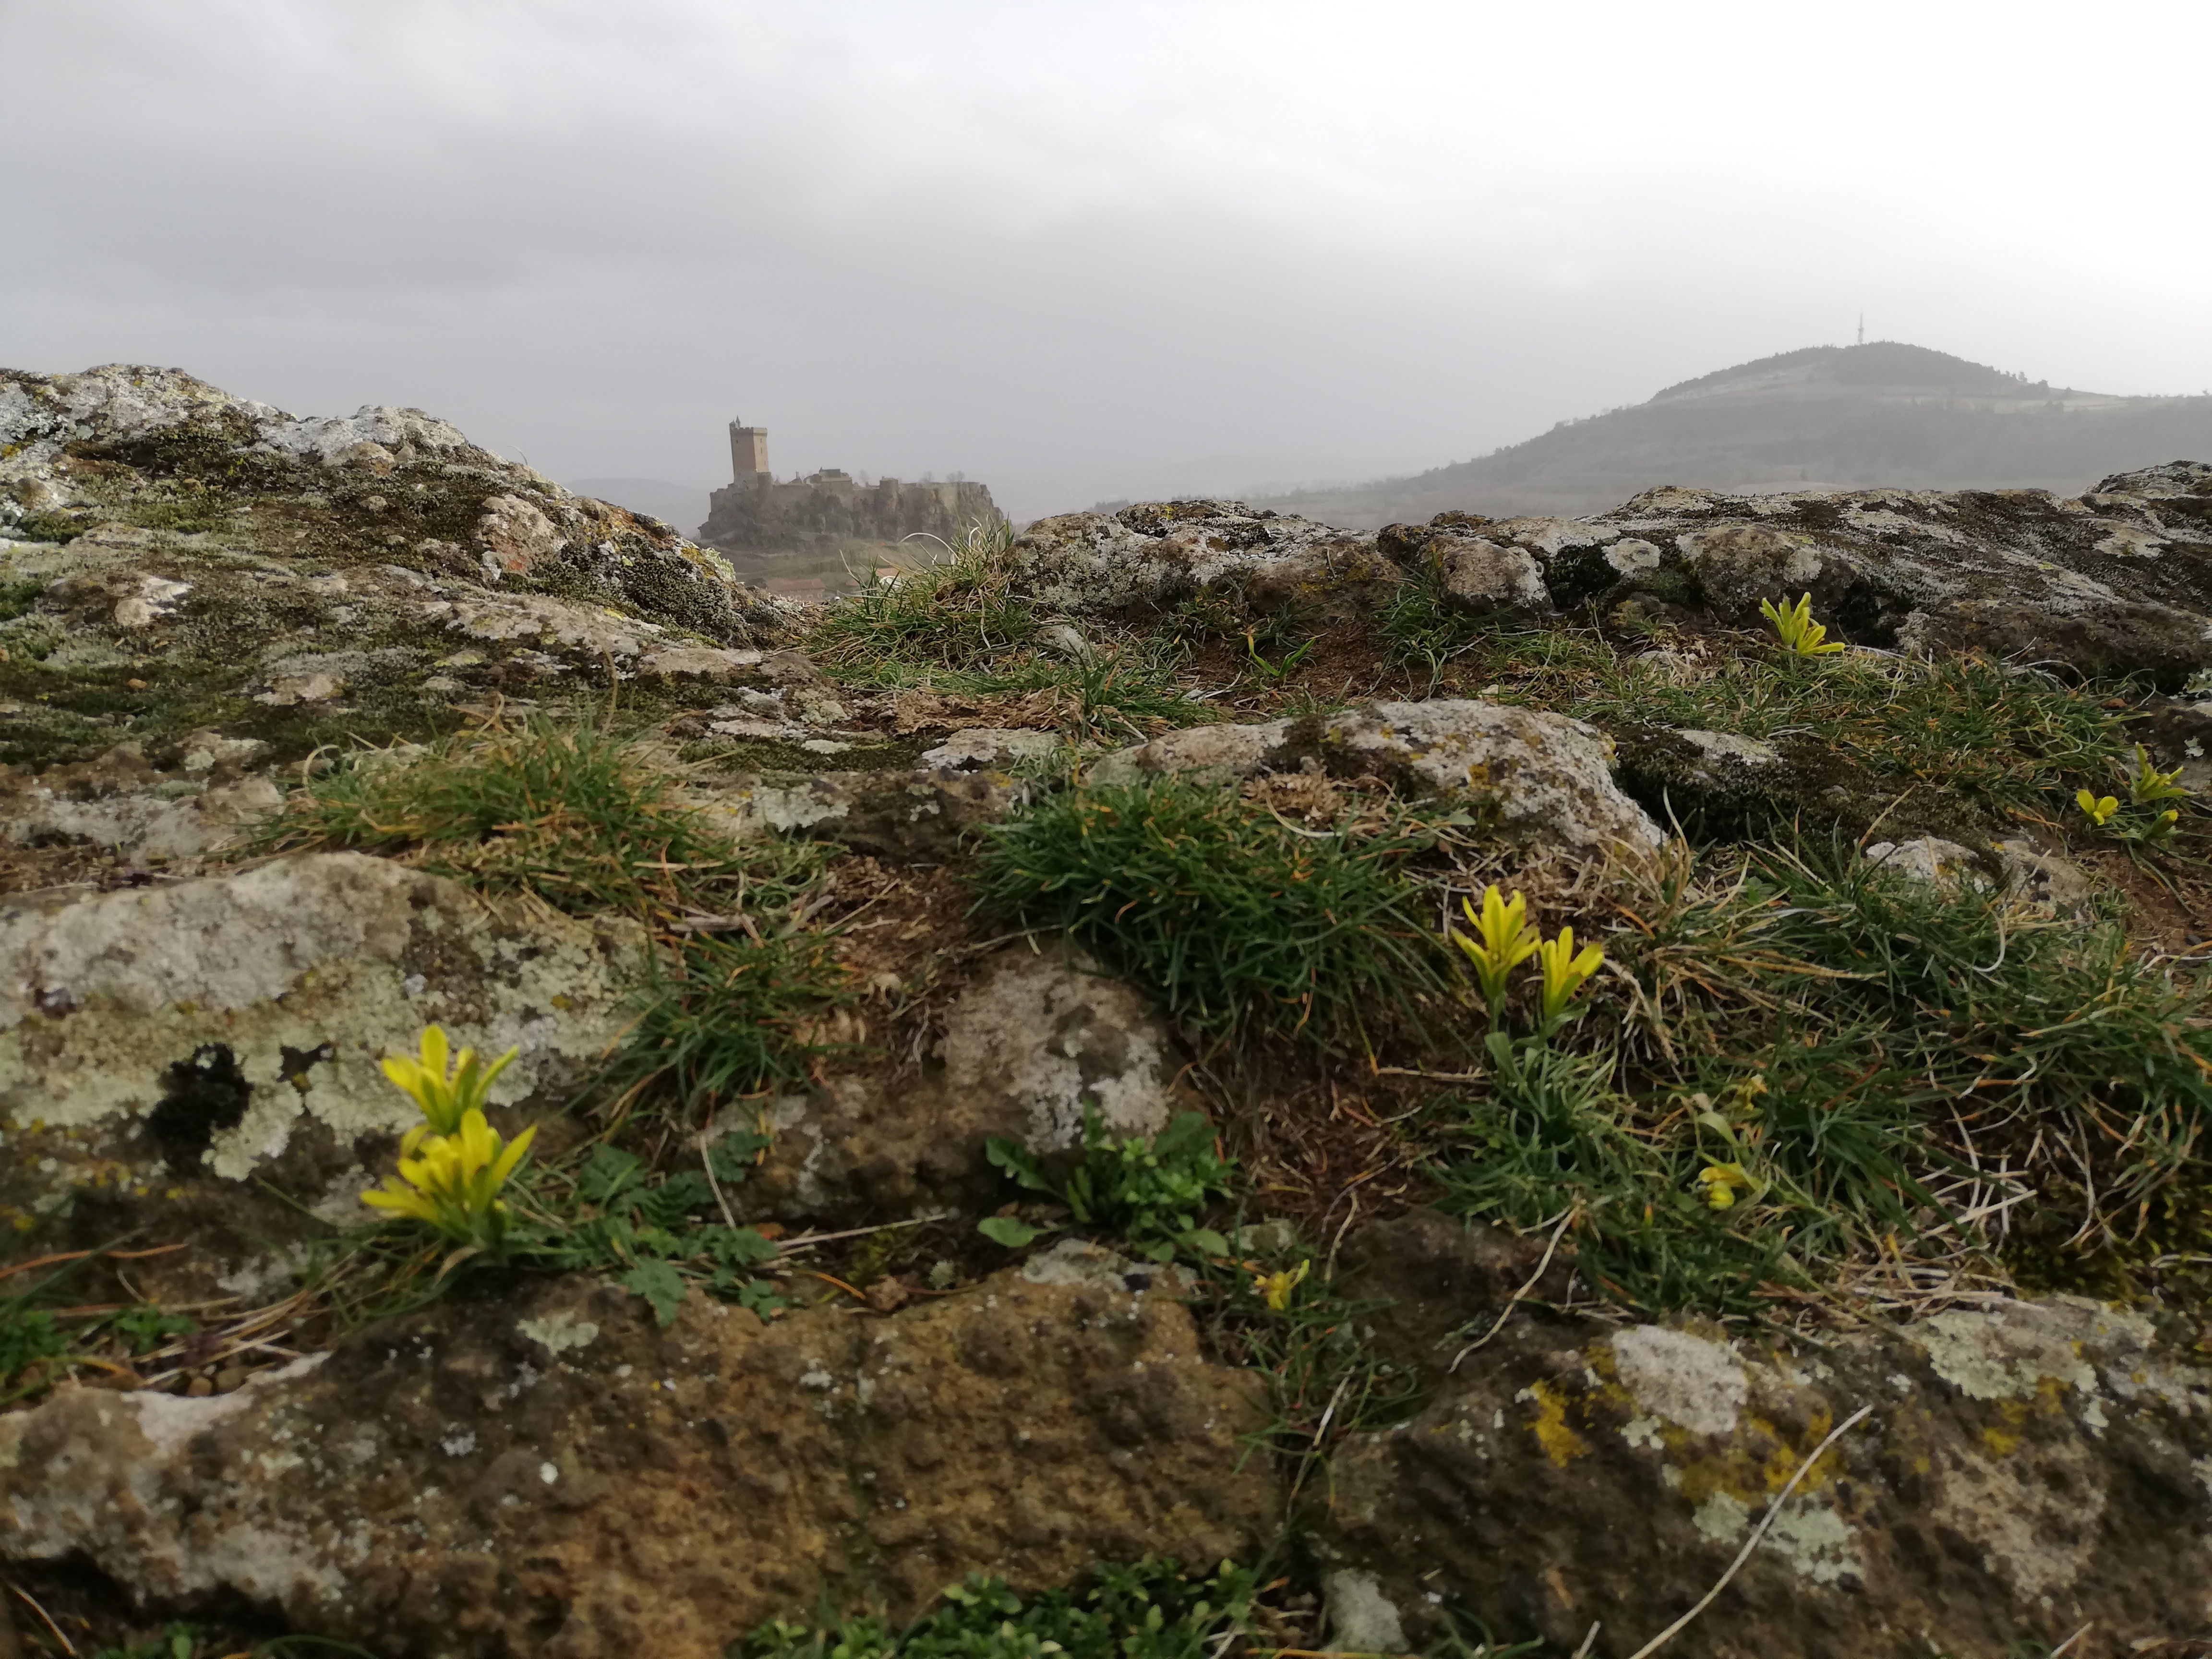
(1560, 1443)
(1760, 1458)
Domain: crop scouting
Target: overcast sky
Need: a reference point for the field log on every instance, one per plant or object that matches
(1081, 250)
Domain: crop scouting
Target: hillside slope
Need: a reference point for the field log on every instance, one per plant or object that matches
(1822, 418)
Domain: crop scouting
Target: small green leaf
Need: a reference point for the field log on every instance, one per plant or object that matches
(1206, 1240)
(659, 1283)
(1015, 1160)
(734, 1246)
(1004, 1230)
(608, 1173)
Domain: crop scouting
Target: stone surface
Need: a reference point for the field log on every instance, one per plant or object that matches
(722, 666)
(1032, 1040)
(1160, 551)
(2028, 1468)
(178, 557)
(193, 799)
(1473, 574)
(207, 1023)
(1928, 859)
(2118, 580)
(921, 816)
(544, 1471)
(993, 747)
(1541, 780)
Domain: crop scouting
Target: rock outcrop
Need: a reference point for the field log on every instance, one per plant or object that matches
(175, 558)
(1539, 781)
(2025, 1470)
(1035, 1042)
(2117, 582)
(773, 892)
(162, 1046)
(548, 1473)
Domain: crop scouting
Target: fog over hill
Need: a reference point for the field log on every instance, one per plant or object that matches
(1824, 417)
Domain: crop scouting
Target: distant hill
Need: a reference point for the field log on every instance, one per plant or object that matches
(1826, 417)
(681, 507)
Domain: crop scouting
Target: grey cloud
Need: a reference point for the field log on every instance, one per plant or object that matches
(1075, 250)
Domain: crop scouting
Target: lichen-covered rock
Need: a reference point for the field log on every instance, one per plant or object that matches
(2118, 581)
(1930, 858)
(201, 1026)
(993, 747)
(1203, 754)
(723, 667)
(1541, 780)
(1473, 574)
(544, 1471)
(174, 557)
(923, 815)
(1025, 1049)
(2028, 1468)
(1160, 551)
(193, 799)
(1708, 783)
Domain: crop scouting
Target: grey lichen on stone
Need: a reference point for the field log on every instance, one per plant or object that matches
(337, 956)
(1541, 779)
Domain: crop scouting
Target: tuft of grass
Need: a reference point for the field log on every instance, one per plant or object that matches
(1996, 737)
(969, 626)
(1152, 1610)
(570, 812)
(1309, 1343)
(963, 614)
(1239, 924)
(1867, 1066)
(724, 1018)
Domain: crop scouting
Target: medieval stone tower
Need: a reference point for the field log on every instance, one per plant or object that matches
(748, 452)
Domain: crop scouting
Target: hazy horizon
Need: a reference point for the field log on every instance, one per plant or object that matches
(1086, 251)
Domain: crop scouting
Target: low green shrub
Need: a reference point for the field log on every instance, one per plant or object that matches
(964, 613)
(722, 1017)
(1151, 1190)
(662, 1236)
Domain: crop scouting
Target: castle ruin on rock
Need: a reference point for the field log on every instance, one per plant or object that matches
(828, 511)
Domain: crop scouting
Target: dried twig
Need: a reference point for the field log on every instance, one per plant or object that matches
(1514, 1301)
(1751, 1543)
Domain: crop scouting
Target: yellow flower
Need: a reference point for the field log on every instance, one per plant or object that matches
(451, 1182)
(1503, 940)
(1275, 1288)
(2149, 785)
(1721, 1182)
(444, 1094)
(2097, 811)
(1564, 974)
(1800, 635)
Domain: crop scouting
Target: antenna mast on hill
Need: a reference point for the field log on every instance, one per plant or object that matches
(1861, 328)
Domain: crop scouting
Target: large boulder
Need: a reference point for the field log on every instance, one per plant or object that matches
(174, 557)
(1541, 780)
(2117, 581)
(2027, 1468)
(1160, 551)
(159, 1038)
(541, 1470)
